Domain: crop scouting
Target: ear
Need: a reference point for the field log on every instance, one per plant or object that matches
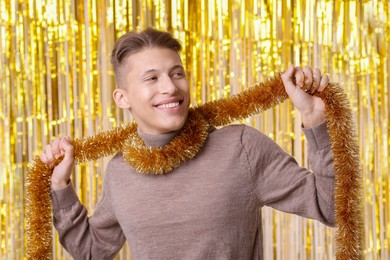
(120, 98)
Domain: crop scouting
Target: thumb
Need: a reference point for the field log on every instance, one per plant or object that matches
(287, 78)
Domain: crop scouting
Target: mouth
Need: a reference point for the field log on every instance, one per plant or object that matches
(169, 105)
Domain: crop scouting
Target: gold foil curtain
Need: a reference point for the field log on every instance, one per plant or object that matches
(56, 79)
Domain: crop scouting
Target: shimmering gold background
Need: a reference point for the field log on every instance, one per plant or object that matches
(56, 79)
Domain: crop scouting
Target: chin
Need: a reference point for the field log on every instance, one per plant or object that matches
(174, 126)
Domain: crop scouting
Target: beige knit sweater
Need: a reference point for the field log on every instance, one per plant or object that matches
(208, 208)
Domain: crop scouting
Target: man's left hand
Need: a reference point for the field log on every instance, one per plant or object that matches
(301, 84)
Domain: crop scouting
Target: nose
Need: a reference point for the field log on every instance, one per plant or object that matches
(167, 86)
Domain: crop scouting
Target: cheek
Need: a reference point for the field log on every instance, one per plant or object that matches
(142, 97)
(185, 88)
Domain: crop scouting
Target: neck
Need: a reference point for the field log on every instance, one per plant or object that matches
(157, 140)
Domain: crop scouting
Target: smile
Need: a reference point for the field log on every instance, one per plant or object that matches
(169, 105)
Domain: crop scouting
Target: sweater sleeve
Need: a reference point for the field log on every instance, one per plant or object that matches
(95, 237)
(279, 182)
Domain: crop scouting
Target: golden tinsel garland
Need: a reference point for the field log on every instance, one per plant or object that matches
(345, 151)
(160, 160)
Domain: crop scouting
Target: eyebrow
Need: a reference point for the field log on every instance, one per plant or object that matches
(147, 72)
(178, 66)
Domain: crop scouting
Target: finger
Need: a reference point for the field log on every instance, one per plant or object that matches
(49, 153)
(55, 147)
(44, 158)
(67, 149)
(323, 83)
(289, 72)
(299, 77)
(287, 78)
(308, 73)
(316, 80)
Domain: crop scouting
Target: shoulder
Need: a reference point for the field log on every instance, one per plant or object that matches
(117, 162)
(241, 130)
(229, 129)
(239, 135)
(230, 134)
(252, 140)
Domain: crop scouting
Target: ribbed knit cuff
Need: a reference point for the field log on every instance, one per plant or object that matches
(317, 137)
(64, 198)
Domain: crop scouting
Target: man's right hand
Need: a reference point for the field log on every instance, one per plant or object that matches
(61, 146)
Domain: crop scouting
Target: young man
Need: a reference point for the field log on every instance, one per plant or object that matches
(202, 209)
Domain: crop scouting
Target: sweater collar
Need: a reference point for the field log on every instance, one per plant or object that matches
(157, 140)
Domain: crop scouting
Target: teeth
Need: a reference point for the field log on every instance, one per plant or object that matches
(169, 105)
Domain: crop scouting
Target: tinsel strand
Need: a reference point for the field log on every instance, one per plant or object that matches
(348, 190)
(349, 215)
(162, 160)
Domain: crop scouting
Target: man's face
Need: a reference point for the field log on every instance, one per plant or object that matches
(155, 91)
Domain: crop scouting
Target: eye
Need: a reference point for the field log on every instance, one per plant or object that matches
(151, 78)
(178, 75)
